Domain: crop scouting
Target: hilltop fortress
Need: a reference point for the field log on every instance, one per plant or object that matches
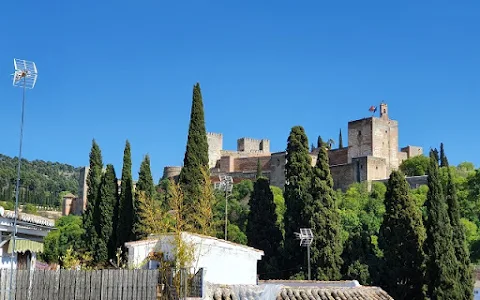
(372, 153)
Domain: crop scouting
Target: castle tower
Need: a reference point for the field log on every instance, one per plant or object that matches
(383, 111)
(215, 147)
(377, 137)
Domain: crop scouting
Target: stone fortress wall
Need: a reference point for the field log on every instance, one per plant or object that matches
(371, 155)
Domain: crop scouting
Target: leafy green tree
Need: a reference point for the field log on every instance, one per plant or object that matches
(443, 157)
(68, 233)
(152, 219)
(94, 178)
(324, 220)
(401, 238)
(442, 279)
(279, 207)
(126, 211)
(262, 229)
(196, 154)
(106, 206)
(415, 166)
(465, 273)
(297, 195)
(145, 179)
(340, 140)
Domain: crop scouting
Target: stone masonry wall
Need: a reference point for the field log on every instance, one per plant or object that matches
(342, 176)
(215, 146)
(247, 164)
(338, 156)
(385, 141)
(359, 138)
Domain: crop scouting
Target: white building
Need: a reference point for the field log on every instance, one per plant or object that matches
(223, 262)
(31, 230)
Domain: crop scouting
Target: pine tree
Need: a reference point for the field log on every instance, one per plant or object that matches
(441, 263)
(324, 219)
(196, 154)
(145, 179)
(401, 237)
(465, 272)
(259, 169)
(262, 230)
(144, 185)
(443, 157)
(340, 140)
(106, 206)
(126, 211)
(94, 178)
(298, 172)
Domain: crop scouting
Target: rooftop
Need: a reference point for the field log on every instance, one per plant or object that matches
(28, 218)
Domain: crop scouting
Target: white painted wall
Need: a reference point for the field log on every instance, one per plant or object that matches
(476, 293)
(224, 262)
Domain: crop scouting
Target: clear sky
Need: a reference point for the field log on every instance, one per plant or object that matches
(117, 70)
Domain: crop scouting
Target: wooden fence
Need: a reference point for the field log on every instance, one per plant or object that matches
(80, 285)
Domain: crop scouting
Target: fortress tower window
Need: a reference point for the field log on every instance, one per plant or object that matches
(359, 132)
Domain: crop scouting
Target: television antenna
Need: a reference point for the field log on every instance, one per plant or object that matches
(25, 77)
(225, 184)
(306, 239)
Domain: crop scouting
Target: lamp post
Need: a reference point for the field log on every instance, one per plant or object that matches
(226, 185)
(306, 238)
(25, 77)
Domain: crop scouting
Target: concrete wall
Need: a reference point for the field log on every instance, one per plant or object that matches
(224, 262)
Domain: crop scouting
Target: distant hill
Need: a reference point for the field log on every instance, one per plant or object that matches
(41, 181)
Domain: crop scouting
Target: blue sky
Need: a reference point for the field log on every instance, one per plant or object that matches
(117, 70)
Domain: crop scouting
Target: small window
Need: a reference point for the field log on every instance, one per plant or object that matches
(376, 167)
(359, 132)
(361, 166)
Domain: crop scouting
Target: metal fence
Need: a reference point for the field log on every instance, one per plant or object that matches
(79, 285)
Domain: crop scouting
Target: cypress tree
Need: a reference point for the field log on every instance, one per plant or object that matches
(262, 230)
(126, 212)
(340, 140)
(465, 273)
(443, 157)
(401, 237)
(320, 142)
(191, 179)
(106, 207)
(298, 173)
(94, 178)
(259, 169)
(145, 186)
(441, 263)
(324, 219)
(145, 179)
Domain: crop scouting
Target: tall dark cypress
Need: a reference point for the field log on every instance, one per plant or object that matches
(106, 206)
(340, 140)
(401, 238)
(298, 172)
(324, 219)
(144, 184)
(443, 157)
(126, 212)
(259, 169)
(441, 261)
(262, 230)
(191, 178)
(94, 178)
(145, 179)
(465, 272)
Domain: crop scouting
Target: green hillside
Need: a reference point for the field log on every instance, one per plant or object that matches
(41, 181)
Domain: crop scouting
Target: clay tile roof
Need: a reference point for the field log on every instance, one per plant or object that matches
(38, 220)
(318, 293)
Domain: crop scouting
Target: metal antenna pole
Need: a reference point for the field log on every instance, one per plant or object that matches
(17, 188)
